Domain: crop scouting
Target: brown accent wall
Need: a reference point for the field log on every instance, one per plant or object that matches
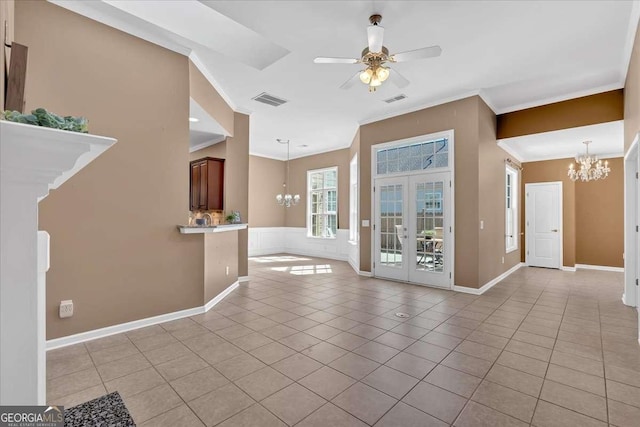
(265, 181)
(600, 219)
(587, 110)
(632, 96)
(236, 196)
(462, 117)
(7, 14)
(296, 216)
(491, 173)
(551, 171)
(115, 249)
(209, 99)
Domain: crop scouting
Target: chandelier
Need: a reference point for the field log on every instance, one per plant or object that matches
(591, 168)
(285, 199)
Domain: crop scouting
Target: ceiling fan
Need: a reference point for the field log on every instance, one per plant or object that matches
(376, 56)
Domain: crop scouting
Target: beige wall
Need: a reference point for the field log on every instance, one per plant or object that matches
(491, 158)
(295, 216)
(218, 151)
(600, 219)
(115, 249)
(632, 95)
(462, 117)
(552, 171)
(220, 252)
(7, 14)
(265, 181)
(209, 99)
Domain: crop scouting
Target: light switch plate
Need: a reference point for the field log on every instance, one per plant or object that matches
(365, 222)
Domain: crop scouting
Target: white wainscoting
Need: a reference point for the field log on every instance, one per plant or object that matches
(294, 240)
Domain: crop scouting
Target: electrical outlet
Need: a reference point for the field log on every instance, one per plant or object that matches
(481, 225)
(227, 270)
(66, 308)
(503, 260)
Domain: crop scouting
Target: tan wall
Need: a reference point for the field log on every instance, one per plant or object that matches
(236, 174)
(220, 252)
(7, 14)
(265, 181)
(600, 219)
(209, 99)
(462, 117)
(295, 216)
(218, 151)
(492, 243)
(115, 249)
(632, 96)
(551, 171)
(587, 110)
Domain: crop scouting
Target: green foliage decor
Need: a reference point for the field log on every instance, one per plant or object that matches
(44, 118)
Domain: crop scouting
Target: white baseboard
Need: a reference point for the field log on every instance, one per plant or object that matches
(136, 324)
(490, 284)
(599, 267)
(243, 279)
(567, 268)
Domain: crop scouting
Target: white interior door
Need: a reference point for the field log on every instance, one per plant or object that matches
(413, 229)
(544, 224)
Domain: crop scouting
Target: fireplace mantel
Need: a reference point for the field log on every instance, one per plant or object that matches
(33, 161)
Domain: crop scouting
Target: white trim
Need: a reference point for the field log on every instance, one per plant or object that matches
(631, 213)
(515, 203)
(567, 268)
(215, 300)
(136, 324)
(510, 152)
(243, 279)
(599, 267)
(207, 144)
(490, 284)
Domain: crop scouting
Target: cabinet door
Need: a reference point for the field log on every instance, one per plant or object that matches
(195, 187)
(204, 181)
(215, 180)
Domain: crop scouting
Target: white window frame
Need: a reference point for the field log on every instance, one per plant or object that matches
(309, 197)
(354, 234)
(512, 199)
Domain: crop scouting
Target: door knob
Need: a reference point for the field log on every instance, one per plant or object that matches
(555, 230)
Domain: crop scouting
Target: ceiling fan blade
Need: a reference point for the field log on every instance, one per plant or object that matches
(352, 80)
(323, 60)
(374, 35)
(398, 79)
(410, 55)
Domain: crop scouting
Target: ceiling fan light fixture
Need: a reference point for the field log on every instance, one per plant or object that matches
(382, 73)
(365, 76)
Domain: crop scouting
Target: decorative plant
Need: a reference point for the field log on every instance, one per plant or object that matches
(230, 218)
(42, 117)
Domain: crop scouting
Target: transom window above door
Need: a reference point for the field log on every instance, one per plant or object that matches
(415, 156)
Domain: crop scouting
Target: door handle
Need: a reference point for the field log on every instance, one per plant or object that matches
(555, 230)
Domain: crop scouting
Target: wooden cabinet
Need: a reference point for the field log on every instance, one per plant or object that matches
(206, 184)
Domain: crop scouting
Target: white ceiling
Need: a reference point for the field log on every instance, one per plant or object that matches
(514, 54)
(205, 131)
(607, 140)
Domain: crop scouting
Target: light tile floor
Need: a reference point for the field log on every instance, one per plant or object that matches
(307, 342)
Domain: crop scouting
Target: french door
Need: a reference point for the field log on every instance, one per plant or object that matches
(412, 229)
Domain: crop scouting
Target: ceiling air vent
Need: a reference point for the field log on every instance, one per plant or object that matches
(395, 98)
(265, 98)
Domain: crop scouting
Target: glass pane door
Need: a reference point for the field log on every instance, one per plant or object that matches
(429, 229)
(390, 228)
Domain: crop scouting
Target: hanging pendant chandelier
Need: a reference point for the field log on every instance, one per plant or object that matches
(286, 199)
(591, 168)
